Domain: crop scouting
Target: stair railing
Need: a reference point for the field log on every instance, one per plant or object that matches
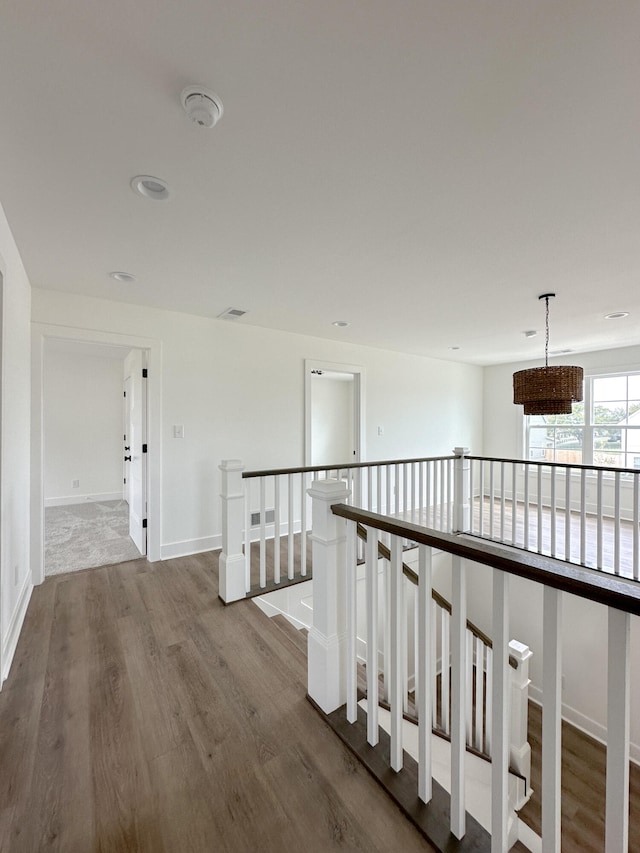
(266, 514)
(332, 656)
(478, 674)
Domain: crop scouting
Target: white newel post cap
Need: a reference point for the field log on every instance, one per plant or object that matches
(326, 658)
(461, 451)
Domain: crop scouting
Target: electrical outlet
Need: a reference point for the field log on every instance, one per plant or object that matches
(75, 484)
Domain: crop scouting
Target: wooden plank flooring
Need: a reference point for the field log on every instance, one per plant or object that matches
(140, 714)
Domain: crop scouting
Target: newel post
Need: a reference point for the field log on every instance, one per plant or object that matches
(519, 748)
(326, 658)
(461, 497)
(231, 580)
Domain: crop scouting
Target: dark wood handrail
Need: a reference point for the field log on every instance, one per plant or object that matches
(594, 585)
(579, 465)
(442, 602)
(311, 468)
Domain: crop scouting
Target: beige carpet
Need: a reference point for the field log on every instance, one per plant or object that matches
(82, 536)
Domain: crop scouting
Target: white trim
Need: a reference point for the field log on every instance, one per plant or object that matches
(153, 348)
(583, 723)
(191, 546)
(358, 372)
(10, 642)
(77, 500)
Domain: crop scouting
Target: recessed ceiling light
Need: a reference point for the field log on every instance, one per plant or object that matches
(341, 324)
(453, 347)
(530, 334)
(616, 315)
(126, 277)
(150, 187)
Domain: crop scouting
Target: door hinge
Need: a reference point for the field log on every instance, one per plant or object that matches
(144, 448)
(125, 393)
(144, 522)
(145, 373)
(125, 481)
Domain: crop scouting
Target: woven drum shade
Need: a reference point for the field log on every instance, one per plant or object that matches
(548, 390)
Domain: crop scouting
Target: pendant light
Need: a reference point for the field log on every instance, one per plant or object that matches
(547, 390)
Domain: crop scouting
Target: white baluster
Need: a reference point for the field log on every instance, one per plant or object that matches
(583, 516)
(429, 494)
(514, 502)
(458, 697)
(502, 502)
(539, 473)
(247, 534)
(599, 515)
(396, 703)
(276, 529)
(425, 694)
(469, 690)
(481, 504)
(371, 584)
(551, 719)
(434, 673)
(472, 497)
(263, 534)
(488, 714)
(553, 513)
(369, 487)
(445, 671)
(492, 495)
(352, 622)
(618, 715)
(616, 524)
(479, 691)
(636, 525)
(500, 715)
(379, 489)
(290, 540)
(303, 523)
(421, 493)
(526, 508)
(567, 513)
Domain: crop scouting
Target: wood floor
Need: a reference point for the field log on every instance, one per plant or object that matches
(142, 715)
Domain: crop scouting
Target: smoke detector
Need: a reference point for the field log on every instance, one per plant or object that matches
(203, 106)
(232, 314)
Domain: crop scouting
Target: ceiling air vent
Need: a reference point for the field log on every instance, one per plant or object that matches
(231, 314)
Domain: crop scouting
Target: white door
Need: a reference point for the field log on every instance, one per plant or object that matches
(136, 448)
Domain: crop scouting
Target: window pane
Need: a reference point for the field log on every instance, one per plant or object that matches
(568, 444)
(541, 443)
(607, 438)
(610, 388)
(634, 412)
(634, 386)
(609, 413)
(608, 458)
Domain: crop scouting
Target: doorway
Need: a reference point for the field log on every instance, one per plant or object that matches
(87, 517)
(334, 423)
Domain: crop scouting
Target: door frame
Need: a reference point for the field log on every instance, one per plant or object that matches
(40, 332)
(359, 427)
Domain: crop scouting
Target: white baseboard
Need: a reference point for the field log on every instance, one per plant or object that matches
(10, 641)
(190, 546)
(71, 500)
(584, 724)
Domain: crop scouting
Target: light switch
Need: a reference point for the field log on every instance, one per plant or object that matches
(380, 430)
(178, 431)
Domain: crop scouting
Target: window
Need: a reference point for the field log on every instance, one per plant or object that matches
(602, 430)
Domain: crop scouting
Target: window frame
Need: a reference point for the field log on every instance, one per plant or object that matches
(589, 426)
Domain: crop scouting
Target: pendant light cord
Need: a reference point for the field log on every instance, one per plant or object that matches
(546, 339)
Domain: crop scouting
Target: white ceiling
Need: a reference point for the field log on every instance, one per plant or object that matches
(422, 169)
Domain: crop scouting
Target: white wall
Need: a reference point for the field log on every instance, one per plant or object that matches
(585, 632)
(15, 576)
(332, 403)
(83, 426)
(239, 392)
